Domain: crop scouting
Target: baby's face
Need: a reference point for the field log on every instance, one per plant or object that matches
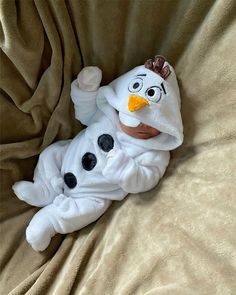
(142, 131)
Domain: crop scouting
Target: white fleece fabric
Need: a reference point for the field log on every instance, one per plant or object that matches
(76, 180)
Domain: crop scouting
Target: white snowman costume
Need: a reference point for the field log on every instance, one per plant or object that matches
(76, 180)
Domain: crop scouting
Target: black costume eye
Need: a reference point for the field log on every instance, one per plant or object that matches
(135, 85)
(151, 92)
(154, 93)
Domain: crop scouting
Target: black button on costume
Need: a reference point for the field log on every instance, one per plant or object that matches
(70, 180)
(106, 142)
(89, 161)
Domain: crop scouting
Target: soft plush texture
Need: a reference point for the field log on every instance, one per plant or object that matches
(180, 237)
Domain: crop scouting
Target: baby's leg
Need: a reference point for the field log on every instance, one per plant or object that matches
(63, 216)
(48, 181)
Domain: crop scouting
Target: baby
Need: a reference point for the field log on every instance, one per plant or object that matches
(133, 123)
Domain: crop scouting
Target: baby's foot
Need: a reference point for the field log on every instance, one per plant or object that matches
(39, 236)
(31, 193)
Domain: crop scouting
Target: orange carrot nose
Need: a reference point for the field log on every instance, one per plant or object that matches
(136, 102)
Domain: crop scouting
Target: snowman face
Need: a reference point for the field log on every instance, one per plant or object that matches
(148, 95)
(137, 95)
(142, 94)
(143, 99)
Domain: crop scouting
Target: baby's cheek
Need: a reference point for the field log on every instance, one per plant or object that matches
(154, 132)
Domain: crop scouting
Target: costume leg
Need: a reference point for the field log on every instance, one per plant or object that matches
(48, 181)
(63, 216)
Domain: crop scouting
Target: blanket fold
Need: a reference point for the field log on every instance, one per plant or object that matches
(178, 238)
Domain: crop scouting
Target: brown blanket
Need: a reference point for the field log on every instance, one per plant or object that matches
(179, 238)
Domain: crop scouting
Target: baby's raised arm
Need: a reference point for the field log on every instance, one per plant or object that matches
(84, 91)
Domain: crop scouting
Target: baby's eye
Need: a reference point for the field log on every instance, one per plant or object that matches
(154, 93)
(135, 85)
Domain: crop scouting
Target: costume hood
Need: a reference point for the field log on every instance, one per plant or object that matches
(149, 94)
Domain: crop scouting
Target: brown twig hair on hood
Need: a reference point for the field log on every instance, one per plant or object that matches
(157, 66)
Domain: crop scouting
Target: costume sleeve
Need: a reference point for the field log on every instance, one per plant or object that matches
(84, 103)
(136, 175)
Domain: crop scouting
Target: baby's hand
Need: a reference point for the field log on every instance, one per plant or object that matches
(117, 161)
(89, 78)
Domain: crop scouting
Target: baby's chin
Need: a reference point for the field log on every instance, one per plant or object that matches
(141, 131)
